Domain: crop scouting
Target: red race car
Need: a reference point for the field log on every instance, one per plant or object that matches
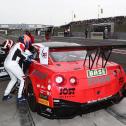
(68, 79)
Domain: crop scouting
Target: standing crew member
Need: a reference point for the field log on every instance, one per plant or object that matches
(13, 68)
(86, 33)
(30, 35)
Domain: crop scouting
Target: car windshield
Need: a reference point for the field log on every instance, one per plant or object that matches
(68, 56)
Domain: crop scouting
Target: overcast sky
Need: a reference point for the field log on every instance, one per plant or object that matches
(57, 12)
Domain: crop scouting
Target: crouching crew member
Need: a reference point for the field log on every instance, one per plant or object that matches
(13, 68)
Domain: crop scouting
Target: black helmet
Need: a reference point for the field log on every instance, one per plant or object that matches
(27, 33)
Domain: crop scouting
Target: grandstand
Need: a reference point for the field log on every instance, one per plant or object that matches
(19, 29)
(22, 26)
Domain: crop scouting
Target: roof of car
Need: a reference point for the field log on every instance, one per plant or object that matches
(56, 44)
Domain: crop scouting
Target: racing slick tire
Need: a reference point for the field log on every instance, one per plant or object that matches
(31, 97)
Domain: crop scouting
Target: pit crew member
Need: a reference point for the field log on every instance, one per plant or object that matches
(13, 68)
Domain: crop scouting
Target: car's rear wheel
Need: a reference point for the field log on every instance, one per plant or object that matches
(31, 97)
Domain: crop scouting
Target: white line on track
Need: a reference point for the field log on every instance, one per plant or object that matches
(119, 51)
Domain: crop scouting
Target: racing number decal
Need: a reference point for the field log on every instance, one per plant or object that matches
(43, 55)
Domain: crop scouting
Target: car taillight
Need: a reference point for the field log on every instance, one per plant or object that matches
(73, 80)
(59, 79)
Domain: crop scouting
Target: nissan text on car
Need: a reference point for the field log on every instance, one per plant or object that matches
(68, 79)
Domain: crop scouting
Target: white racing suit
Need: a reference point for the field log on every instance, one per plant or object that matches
(13, 68)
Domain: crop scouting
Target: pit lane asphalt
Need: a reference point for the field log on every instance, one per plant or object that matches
(13, 115)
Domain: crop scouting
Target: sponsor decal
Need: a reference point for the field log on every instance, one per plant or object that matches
(43, 96)
(39, 74)
(3, 72)
(101, 80)
(96, 72)
(66, 96)
(67, 91)
(43, 101)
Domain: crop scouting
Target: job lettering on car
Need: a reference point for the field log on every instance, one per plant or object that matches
(67, 91)
(2, 51)
(96, 72)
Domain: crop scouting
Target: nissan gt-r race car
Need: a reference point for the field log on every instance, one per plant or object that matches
(68, 79)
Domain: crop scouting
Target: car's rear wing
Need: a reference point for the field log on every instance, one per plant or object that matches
(94, 53)
(90, 47)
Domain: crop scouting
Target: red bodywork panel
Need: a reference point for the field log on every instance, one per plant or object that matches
(85, 90)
